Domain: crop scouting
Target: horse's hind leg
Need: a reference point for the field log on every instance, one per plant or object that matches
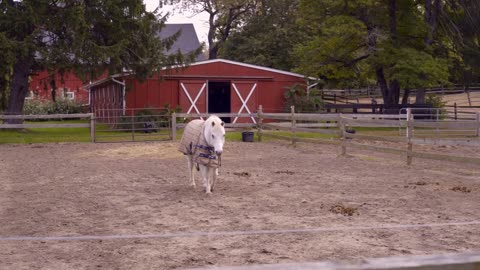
(191, 169)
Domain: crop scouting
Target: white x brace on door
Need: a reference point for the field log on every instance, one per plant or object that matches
(240, 88)
(197, 90)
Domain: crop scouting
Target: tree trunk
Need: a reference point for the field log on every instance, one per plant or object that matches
(406, 94)
(393, 19)
(19, 89)
(420, 96)
(53, 84)
(3, 94)
(212, 52)
(395, 91)
(382, 83)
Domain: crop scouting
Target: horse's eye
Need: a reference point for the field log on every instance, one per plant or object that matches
(213, 136)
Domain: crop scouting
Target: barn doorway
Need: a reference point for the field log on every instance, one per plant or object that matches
(219, 98)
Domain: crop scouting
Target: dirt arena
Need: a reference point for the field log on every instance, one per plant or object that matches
(128, 206)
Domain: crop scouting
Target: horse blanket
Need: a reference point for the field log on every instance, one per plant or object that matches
(193, 143)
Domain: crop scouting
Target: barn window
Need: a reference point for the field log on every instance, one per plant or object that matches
(69, 95)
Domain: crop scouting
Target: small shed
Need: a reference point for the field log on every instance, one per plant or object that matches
(211, 86)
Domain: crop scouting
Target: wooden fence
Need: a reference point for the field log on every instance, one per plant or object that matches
(89, 116)
(455, 261)
(340, 125)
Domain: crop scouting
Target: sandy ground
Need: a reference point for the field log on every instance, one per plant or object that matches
(136, 190)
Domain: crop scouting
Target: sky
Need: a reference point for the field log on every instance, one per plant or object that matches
(199, 21)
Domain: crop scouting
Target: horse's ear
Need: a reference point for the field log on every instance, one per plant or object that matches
(213, 124)
(223, 123)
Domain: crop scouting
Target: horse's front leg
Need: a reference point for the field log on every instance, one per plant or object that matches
(214, 178)
(191, 169)
(205, 174)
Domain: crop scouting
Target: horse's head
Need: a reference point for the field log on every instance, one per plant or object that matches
(215, 133)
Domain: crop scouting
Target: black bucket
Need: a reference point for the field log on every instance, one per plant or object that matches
(247, 136)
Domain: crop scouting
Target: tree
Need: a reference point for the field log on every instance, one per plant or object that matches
(87, 37)
(6, 66)
(267, 37)
(224, 17)
(357, 43)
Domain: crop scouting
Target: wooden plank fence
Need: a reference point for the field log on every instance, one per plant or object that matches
(346, 139)
(89, 116)
(454, 261)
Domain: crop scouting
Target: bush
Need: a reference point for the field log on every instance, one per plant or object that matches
(37, 107)
(437, 103)
(303, 103)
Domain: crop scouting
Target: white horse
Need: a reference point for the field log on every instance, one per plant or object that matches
(202, 143)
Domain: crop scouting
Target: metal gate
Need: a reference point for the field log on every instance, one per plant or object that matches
(132, 125)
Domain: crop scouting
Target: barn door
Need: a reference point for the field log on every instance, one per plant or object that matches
(192, 96)
(244, 100)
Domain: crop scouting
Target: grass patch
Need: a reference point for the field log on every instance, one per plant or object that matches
(46, 135)
(103, 134)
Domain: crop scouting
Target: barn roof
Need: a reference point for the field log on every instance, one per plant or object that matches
(186, 42)
(249, 66)
(230, 62)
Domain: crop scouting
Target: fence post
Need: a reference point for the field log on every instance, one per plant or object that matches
(343, 141)
(92, 127)
(174, 126)
(133, 126)
(259, 123)
(455, 110)
(409, 135)
(294, 124)
(478, 125)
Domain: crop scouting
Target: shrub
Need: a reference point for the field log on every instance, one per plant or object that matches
(303, 103)
(437, 102)
(37, 107)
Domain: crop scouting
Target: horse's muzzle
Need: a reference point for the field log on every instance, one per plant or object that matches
(219, 153)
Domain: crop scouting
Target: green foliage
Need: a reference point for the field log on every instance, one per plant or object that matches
(267, 37)
(42, 107)
(395, 44)
(296, 96)
(88, 37)
(417, 69)
(437, 102)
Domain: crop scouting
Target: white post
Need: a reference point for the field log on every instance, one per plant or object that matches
(409, 135)
(343, 141)
(259, 123)
(174, 126)
(294, 124)
(92, 127)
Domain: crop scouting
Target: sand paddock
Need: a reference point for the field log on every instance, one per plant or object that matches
(128, 206)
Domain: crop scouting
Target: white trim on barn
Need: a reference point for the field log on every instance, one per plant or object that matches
(244, 101)
(193, 103)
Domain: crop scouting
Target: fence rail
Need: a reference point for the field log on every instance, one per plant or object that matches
(348, 139)
(88, 116)
(458, 261)
(339, 127)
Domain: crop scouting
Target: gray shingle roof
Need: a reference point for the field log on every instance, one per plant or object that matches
(186, 42)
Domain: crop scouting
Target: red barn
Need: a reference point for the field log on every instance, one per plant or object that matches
(68, 86)
(212, 86)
